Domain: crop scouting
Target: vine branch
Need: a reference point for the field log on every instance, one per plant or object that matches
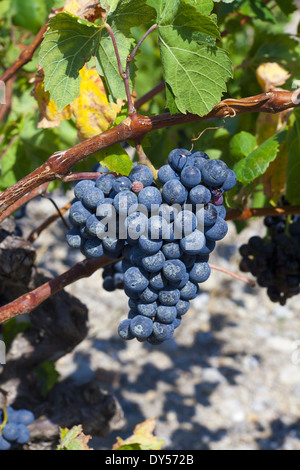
(135, 127)
(28, 302)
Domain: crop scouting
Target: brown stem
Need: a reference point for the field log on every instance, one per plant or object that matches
(27, 53)
(28, 302)
(5, 108)
(148, 96)
(234, 275)
(135, 128)
(37, 231)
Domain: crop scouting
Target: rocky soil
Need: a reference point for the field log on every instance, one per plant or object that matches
(229, 380)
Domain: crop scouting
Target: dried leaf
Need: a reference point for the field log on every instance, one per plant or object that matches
(93, 113)
(73, 439)
(49, 115)
(271, 75)
(85, 9)
(142, 438)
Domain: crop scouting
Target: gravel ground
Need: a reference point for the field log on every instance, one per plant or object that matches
(229, 380)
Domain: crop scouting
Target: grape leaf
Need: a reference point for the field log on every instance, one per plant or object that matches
(166, 10)
(131, 13)
(107, 65)
(195, 69)
(287, 6)
(204, 6)
(142, 438)
(68, 44)
(73, 439)
(115, 159)
(109, 5)
(197, 74)
(242, 144)
(256, 163)
(293, 167)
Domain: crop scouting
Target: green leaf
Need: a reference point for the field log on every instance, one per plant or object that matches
(68, 44)
(286, 6)
(256, 163)
(131, 13)
(109, 5)
(293, 166)
(166, 10)
(115, 159)
(203, 6)
(11, 328)
(197, 74)
(47, 376)
(242, 144)
(107, 65)
(31, 14)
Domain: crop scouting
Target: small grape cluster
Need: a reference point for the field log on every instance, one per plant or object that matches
(113, 276)
(14, 427)
(275, 259)
(164, 232)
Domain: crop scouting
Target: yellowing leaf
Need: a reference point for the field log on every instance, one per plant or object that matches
(84, 9)
(49, 114)
(271, 75)
(142, 438)
(73, 439)
(93, 113)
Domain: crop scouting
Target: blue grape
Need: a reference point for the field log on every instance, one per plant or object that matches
(141, 173)
(149, 197)
(82, 187)
(185, 223)
(78, 214)
(193, 243)
(95, 227)
(24, 417)
(189, 291)
(230, 181)
(174, 270)
(105, 183)
(158, 281)
(177, 159)
(166, 173)
(135, 279)
(158, 227)
(154, 263)
(93, 248)
(218, 231)
(92, 198)
(141, 327)
(165, 314)
(163, 332)
(124, 329)
(4, 444)
(182, 307)
(10, 432)
(169, 296)
(23, 434)
(125, 202)
(214, 173)
(172, 250)
(149, 295)
(199, 195)
(148, 310)
(121, 184)
(174, 192)
(190, 176)
(149, 246)
(200, 272)
(73, 238)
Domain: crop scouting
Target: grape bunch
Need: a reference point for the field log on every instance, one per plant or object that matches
(275, 259)
(164, 232)
(113, 276)
(14, 427)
